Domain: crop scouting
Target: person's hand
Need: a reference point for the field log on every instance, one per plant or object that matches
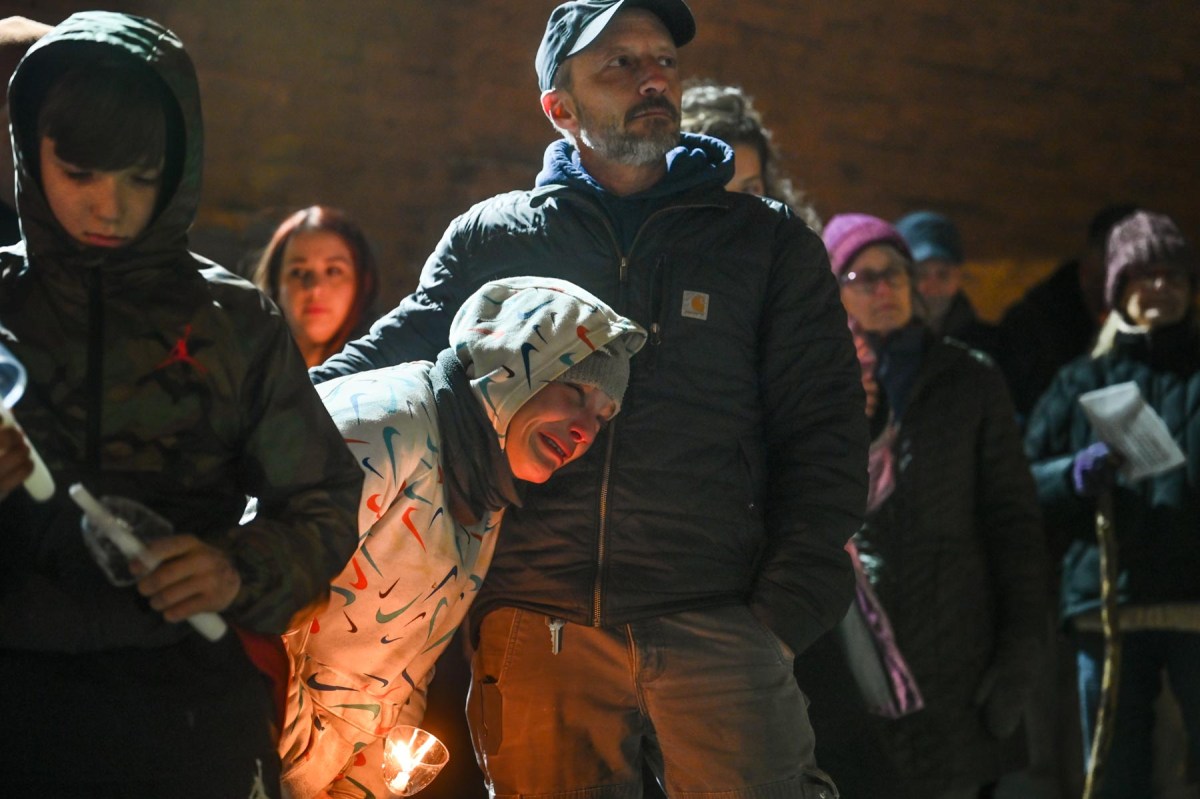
(192, 578)
(1094, 469)
(1000, 698)
(15, 463)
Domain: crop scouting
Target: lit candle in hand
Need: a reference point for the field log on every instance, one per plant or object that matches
(412, 757)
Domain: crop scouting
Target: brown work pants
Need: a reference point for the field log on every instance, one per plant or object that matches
(706, 698)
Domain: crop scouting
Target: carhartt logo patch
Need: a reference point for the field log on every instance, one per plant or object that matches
(695, 305)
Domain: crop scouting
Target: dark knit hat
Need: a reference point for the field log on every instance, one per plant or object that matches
(1145, 238)
(846, 235)
(606, 368)
(575, 25)
(931, 236)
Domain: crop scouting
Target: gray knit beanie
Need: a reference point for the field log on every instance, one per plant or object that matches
(1144, 238)
(606, 368)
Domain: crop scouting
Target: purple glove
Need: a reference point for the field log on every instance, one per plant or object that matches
(1094, 470)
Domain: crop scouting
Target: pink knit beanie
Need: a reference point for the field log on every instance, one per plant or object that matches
(846, 235)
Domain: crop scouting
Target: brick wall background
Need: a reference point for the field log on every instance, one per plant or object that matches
(1018, 117)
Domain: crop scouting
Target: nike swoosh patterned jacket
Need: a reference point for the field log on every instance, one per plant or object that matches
(363, 665)
(155, 374)
(737, 469)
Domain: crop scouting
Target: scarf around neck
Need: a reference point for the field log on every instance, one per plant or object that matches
(478, 477)
(899, 360)
(1171, 348)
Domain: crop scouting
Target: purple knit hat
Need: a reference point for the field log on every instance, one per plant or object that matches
(1144, 238)
(846, 235)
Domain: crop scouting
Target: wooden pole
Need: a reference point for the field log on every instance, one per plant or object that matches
(1106, 716)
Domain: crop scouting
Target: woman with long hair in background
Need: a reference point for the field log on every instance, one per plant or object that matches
(320, 270)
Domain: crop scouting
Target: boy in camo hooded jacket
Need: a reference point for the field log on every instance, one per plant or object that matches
(157, 376)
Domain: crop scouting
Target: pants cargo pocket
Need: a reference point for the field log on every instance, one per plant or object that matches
(491, 715)
(485, 703)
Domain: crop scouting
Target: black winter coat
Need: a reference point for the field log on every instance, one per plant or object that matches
(957, 559)
(737, 468)
(1157, 520)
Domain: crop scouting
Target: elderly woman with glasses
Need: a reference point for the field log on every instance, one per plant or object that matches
(952, 541)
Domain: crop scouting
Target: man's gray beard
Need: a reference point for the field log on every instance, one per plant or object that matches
(623, 147)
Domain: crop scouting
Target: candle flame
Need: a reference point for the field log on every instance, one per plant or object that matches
(406, 760)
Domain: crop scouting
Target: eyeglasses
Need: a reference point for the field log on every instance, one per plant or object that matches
(867, 281)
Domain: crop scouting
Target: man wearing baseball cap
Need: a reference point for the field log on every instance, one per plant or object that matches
(937, 252)
(645, 609)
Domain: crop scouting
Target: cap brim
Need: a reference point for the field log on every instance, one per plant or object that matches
(931, 252)
(675, 16)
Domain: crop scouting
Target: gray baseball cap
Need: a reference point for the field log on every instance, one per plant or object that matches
(575, 25)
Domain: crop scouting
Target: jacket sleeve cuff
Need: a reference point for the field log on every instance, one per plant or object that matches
(795, 625)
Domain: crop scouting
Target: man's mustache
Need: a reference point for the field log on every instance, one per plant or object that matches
(653, 103)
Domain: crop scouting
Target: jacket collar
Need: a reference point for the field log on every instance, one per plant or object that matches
(698, 161)
(1175, 348)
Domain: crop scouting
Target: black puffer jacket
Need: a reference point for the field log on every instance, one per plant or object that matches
(957, 559)
(1157, 520)
(737, 469)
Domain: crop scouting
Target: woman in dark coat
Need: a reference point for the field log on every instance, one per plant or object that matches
(952, 542)
(1151, 339)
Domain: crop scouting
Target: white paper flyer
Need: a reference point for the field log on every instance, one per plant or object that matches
(1123, 420)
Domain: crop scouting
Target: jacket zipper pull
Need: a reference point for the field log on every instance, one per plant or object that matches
(657, 291)
(556, 628)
